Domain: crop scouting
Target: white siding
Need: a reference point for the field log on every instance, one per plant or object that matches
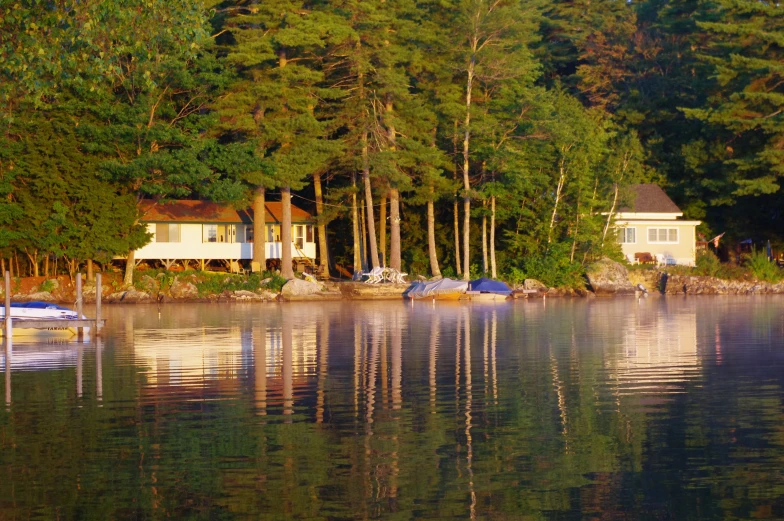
(192, 247)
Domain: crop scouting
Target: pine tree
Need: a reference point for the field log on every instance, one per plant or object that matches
(276, 102)
(745, 148)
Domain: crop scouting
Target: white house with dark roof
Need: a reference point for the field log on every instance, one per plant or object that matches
(203, 231)
(651, 224)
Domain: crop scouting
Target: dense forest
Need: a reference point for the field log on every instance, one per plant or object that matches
(452, 137)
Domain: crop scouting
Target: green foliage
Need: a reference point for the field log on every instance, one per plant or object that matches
(763, 268)
(212, 283)
(552, 267)
(707, 264)
(207, 282)
(47, 286)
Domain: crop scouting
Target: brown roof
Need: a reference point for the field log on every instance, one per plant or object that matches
(188, 211)
(649, 198)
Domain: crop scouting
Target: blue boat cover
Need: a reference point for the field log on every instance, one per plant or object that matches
(37, 305)
(486, 285)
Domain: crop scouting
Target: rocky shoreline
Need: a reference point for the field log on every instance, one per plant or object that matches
(605, 278)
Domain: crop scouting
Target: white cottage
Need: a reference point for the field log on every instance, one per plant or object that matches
(203, 231)
(650, 225)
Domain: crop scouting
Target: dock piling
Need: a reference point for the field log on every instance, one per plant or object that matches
(80, 330)
(8, 326)
(98, 295)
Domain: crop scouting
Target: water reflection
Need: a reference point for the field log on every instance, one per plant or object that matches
(569, 409)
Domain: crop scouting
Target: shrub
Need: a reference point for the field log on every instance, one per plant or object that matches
(761, 267)
(551, 267)
(708, 264)
(47, 286)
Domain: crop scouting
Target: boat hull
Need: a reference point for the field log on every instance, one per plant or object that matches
(485, 297)
(441, 296)
(50, 332)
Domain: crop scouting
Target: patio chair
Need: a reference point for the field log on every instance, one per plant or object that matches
(375, 275)
(665, 259)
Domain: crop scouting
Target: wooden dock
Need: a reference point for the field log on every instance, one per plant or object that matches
(95, 324)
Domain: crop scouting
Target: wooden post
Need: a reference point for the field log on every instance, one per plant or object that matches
(98, 295)
(80, 330)
(9, 328)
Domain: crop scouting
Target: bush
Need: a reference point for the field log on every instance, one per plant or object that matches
(47, 286)
(708, 264)
(551, 267)
(762, 268)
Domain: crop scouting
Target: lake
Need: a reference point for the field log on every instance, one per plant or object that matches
(573, 409)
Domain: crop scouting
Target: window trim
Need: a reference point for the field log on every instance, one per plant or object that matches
(657, 228)
(623, 235)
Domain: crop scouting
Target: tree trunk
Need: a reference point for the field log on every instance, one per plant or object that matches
(493, 271)
(370, 220)
(260, 228)
(363, 237)
(33, 258)
(355, 225)
(286, 268)
(431, 236)
(458, 264)
(485, 264)
(321, 228)
(90, 276)
(46, 266)
(558, 191)
(466, 148)
(394, 229)
(130, 264)
(382, 228)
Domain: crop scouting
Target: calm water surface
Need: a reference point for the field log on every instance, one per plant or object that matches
(567, 409)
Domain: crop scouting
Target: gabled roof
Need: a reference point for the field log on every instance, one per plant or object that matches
(650, 198)
(189, 211)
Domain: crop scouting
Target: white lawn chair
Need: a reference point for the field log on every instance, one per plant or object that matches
(375, 275)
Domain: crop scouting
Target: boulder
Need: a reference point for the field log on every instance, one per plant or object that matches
(130, 296)
(608, 277)
(652, 280)
(250, 296)
(43, 296)
(89, 293)
(533, 284)
(183, 289)
(149, 284)
(300, 288)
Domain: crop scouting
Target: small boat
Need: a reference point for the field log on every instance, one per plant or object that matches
(25, 311)
(442, 289)
(485, 289)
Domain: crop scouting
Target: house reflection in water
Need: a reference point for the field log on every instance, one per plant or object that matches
(202, 358)
(659, 350)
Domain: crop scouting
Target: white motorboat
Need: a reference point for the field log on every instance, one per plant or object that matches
(25, 311)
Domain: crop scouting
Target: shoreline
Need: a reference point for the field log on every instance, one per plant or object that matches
(658, 283)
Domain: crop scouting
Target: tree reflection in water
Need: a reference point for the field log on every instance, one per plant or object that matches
(595, 409)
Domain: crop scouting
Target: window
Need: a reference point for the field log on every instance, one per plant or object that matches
(663, 235)
(218, 233)
(210, 233)
(309, 237)
(627, 235)
(167, 232)
(249, 233)
(299, 236)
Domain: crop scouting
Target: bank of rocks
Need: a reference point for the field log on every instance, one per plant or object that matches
(698, 285)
